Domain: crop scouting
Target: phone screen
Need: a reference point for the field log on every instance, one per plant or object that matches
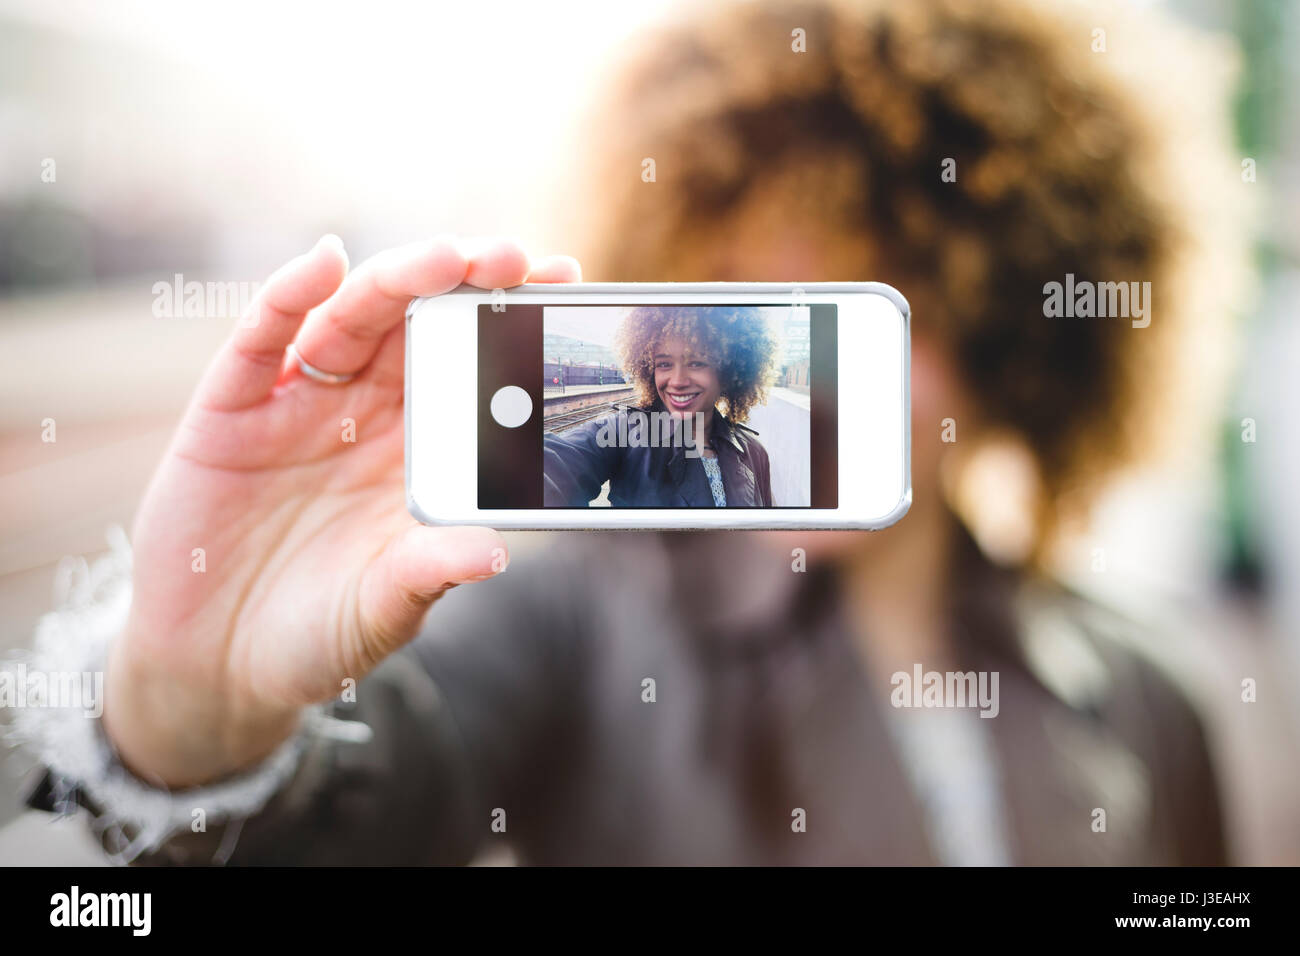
(659, 406)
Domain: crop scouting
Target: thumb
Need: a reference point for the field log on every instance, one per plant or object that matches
(417, 567)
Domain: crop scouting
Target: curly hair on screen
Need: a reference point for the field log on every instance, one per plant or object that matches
(1112, 166)
(737, 341)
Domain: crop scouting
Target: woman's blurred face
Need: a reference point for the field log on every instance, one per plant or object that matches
(687, 383)
(749, 247)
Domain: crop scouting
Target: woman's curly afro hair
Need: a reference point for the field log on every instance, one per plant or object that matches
(1110, 167)
(737, 341)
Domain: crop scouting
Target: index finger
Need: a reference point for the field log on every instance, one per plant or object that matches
(246, 368)
(344, 334)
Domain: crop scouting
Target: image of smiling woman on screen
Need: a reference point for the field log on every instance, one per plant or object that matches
(697, 371)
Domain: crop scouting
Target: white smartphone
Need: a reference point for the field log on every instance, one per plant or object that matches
(659, 406)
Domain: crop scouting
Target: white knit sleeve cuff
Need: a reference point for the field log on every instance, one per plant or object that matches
(55, 693)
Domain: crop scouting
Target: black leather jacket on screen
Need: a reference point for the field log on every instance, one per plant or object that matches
(577, 463)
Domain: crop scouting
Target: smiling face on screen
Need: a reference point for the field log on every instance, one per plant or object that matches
(685, 381)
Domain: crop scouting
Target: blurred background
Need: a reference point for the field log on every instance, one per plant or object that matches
(146, 144)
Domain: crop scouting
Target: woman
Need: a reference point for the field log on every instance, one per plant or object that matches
(704, 697)
(677, 449)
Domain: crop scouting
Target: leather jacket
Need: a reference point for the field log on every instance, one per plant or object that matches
(577, 462)
(523, 693)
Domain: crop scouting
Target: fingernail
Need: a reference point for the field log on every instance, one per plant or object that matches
(329, 239)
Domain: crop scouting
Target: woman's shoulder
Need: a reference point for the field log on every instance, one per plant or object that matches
(1096, 656)
(748, 439)
(1126, 674)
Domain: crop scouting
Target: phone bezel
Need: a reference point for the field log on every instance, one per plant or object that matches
(876, 402)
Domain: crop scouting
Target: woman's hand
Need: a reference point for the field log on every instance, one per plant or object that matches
(273, 554)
